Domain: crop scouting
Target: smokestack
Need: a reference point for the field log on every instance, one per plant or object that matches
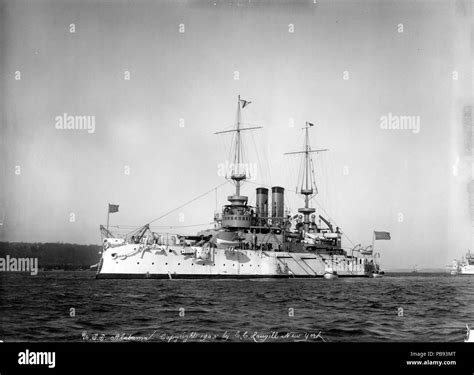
(262, 202)
(278, 201)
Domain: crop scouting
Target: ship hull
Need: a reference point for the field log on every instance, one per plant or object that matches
(466, 270)
(219, 277)
(134, 261)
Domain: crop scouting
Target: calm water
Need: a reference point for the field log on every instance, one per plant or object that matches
(38, 308)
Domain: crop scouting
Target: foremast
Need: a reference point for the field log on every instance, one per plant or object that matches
(237, 174)
(233, 215)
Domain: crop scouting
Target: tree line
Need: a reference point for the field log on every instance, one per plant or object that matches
(54, 255)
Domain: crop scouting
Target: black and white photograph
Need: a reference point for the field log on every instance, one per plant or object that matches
(266, 174)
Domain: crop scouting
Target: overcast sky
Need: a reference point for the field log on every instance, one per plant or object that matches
(345, 66)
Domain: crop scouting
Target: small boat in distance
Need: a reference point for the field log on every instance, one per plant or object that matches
(465, 266)
(469, 334)
(377, 274)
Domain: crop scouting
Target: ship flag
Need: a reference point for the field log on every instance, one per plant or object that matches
(309, 123)
(244, 103)
(113, 208)
(382, 235)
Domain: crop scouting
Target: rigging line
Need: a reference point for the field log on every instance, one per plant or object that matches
(288, 205)
(228, 147)
(256, 153)
(182, 226)
(185, 204)
(230, 157)
(301, 175)
(314, 177)
(288, 173)
(266, 158)
(325, 162)
(243, 154)
(301, 164)
(233, 151)
(159, 226)
(254, 156)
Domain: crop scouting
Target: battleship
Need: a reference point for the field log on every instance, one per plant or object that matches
(261, 241)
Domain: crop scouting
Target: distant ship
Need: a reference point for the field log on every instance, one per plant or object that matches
(246, 241)
(464, 266)
(415, 269)
(469, 334)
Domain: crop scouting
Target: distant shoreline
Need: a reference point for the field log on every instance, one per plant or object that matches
(54, 256)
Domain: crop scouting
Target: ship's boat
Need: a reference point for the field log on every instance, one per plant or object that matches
(377, 274)
(246, 241)
(330, 274)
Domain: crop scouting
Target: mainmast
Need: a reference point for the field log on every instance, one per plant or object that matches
(237, 176)
(307, 185)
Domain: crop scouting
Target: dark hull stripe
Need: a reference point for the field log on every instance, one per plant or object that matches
(208, 276)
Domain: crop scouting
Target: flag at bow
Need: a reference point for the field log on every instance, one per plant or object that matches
(244, 103)
(309, 123)
(113, 208)
(382, 235)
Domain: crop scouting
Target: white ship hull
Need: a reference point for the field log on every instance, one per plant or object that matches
(466, 270)
(178, 262)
